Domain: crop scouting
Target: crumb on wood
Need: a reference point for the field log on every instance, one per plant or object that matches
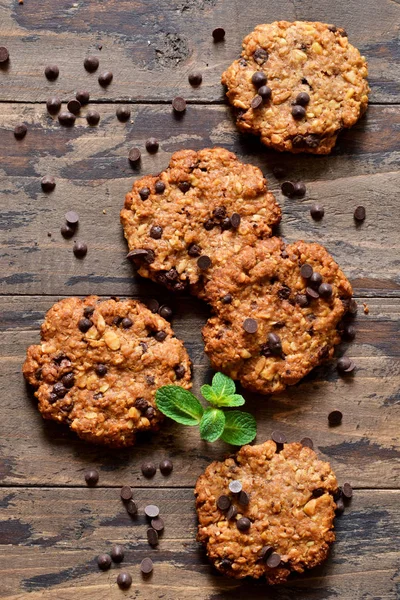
(20, 1)
(104, 211)
(366, 308)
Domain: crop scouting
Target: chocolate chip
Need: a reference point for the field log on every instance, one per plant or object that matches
(306, 271)
(92, 117)
(179, 104)
(218, 34)
(359, 213)
(235, 486)
(232, 512)
(152, 536)
(148, 469)
(166, 466)
(226, 224)
(142, 404)
(144, 347)
(194, 250)
(243, 498)
(105, 78)
(150, 412)
(126, 493)
(146, 566)
(265, 92)
(278, 437)
(152, 145)
(256, 102)
(68, 380)
(4, 54)
(80, 249)
(156, 232)
(157, 524)
(300, 189)
(307, 442)
(179, 371)
(117, 553)
(260, 56)
(204, 262)
(250, 325)
(265, 552)
(274, 344)
(243, 524)
(318, 492)
(335, 417)
(352, 308)
(165, 312)
(66, 118)
(101, 370)
(83, 97)
(72, 219)
(347, 490)
(225, 564)
(123, 113)
(52, 72)
(91, 64)
(288, 189)
(339, 506)
(345, 365)
(91, 477)
(209, 224)
(144, 193)
(195, 78)
(317, 212)
(298, 112)
(274, 560)
(159, 187)
(59, 390)
(325, 290)
(85, 324)
(184, 186)
(126, 323)
(20, 131)
(223, 502)
(74, 106)
(349, 332)
(48, 183)
(104, 562)
(124, 580)
(259, 78)
(311, 293)
(315, 279)
(235, 220)
(53, 398)
(302, 99)
(160, 336)
(219, 212)
(53, 105)
(131, 507)
(227, 299)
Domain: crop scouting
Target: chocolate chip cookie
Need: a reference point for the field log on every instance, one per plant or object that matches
(195, 215)
(99, 365)
(297, 85)
(264, 513)
(277, 309)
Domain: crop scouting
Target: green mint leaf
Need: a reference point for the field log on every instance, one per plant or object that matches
(208, 393)
(223, 385)
(234, 400)
(179, 404)
(212, 424)
(240, 428)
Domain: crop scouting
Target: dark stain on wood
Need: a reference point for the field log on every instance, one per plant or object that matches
(14, 531)
(359, 452)
(48, 580)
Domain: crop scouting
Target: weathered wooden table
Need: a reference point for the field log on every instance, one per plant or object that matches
(52, 526)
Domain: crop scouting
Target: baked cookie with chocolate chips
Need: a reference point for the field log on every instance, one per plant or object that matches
(277, 312)
(99, 365)
(297, 85)
(267, 511)
(195, 215)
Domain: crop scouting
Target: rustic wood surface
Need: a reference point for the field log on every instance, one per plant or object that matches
(51, 525)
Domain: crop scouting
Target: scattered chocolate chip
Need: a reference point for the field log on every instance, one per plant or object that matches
(74, 106)
(256, 102)
(179, 104)
(126, 493)
(148, 468)
(160, 336)
(235, 220)
(347, 490)
(317, 212)
(48, 183)
(117, 553)
(101, 370)
(52, 72)
(274, 344)
(123, 113)
(300, 189)
(325, 290)
(345, 365)
(232, 512)
(66, 118)
(226, 224)
(307, 442)
(156, 232)
(204, 262)
(339, 506)
(146, 566)
(72, 219)
(152, 145)
(235, 486)
(337, 494)
(144, 193)
(91, 64)
(166, 466)
(179, 371)
(274, 560)
(104, 562)
(306, 271)
(278, 437)
(209, 224)
(265, 552)
(250, 325)
(92, 117)
(288, 189)
(80, 249)
(91, 477)
(227, 299)
(301, 300)
(4, 54)
(311, 293)
(260, 56)
(105, 78)
(218, 34)
(335, 417)
(68, 380)
(131, 507)
(124, 580)
(159, 187)
(153, 305)
(195, 78)
(349, 332)
(84, 324)
(298, 112)
(83, 97)
(359, 213)
(194, 250)
(243, 498)
(152, 536)
(315, 279)
(165, 312)
(302, 99)
(184, 186)
(243, 524)
(223, 502)
(53, 105)
(20, 131)
(158, 524)
(126, 323)
(259, 78)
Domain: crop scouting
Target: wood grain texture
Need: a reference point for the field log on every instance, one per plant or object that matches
(364, 449)
(55, 557)
(93, 175)
(152, 48)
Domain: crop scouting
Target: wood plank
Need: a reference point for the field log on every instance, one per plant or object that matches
(55, 557)
(364, 449)
(93, 175)
(152, 50)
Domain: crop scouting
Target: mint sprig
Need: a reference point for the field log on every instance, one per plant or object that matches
(234, 427)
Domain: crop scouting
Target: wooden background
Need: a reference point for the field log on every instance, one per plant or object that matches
(51, 525)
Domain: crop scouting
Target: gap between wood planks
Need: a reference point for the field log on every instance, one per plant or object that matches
(163, 102)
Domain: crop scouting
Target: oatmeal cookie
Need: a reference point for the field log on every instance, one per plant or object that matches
(203, 208)
(297, 85)
(264, 513)
(99, 365)
(277, 308)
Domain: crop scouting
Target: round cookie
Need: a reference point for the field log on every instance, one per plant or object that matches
(275, 318)
(282, 520)
(297, 85)
(99, 365)
(203, 208)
